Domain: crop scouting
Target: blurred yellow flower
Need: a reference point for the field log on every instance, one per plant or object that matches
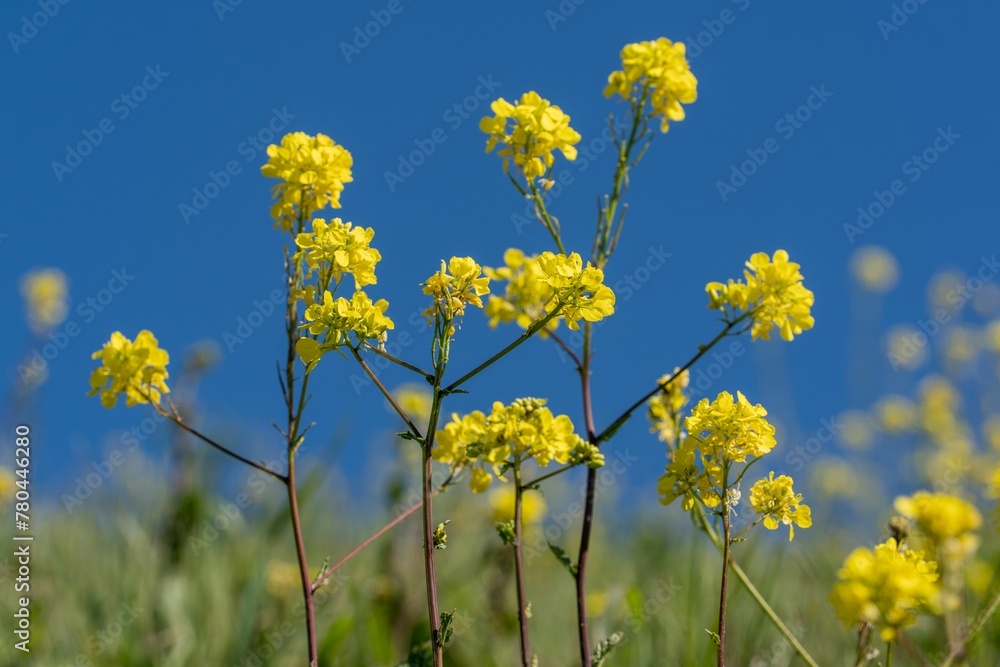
(527, 294)
(665, 407)
(415, 400)
(906, 347)
(139, 370)
(661, 68)
(991, 337)
(946, 521)
(944, 289)
(836, 479)
(875, 269)
(991, 432)
(7, 486)
(283, 578)
(896, 414)
(45, 295)
(888, 587)
(502, 505)
(961, 344)
(856, 429)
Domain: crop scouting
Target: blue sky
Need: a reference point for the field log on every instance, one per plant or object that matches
(838, 97)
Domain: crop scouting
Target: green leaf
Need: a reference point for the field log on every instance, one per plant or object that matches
(563, 558)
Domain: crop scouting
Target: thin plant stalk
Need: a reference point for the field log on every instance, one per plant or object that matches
(724, 586)
(522, 611)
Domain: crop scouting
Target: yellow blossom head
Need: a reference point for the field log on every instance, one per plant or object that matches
(731, 429)
(8, 485)
(773, 291)
(337, 248)
(896, 414)
(946, 521)
(138, 370)
(665, 407)
(775, 500)
(888, 586)
(875, 269)
(340, 321)
(46, 297)
(660, 70)
(458, 283)
(312, 170)
(528, 133)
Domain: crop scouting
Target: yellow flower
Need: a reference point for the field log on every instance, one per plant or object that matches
(856, 429)
(961, 344)
(773, 291)
(888, 587)
(283, 578)
(452, 291)
(313, 171)
(529, 132)
(896, 414)
(946, 521)
(991, 336)
(527, 294)
(661, 68)
(415, 400)
(775, 500)
(664, 408)
(502, 505)
(684, 478)
(730, 430)
(336, 320)
(991, 432)
(340, 248)
(45, 294)
(511, 434)
(875, 269)
(580, 289)
(7, 485)
(139, 370)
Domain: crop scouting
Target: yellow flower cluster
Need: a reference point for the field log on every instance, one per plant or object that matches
(312, 170)
(775, 500)
(341, 247)
(661, 68)
(945, 521)
(730, 430)
(457, 284)
(665, 407)
(536, 284)
(45, 294)
(889, 587)
(336, 320)
(525, 429)
(138, 370)
(529, 132)
(773, 291)
(720, 432)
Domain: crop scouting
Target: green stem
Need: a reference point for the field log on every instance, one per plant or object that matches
(385, 355)
(388, 396)
(888, 653)
(522, 611)
(761, 601)
(534, 328)
(702, 350)
(974, 629)
(545, 218)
